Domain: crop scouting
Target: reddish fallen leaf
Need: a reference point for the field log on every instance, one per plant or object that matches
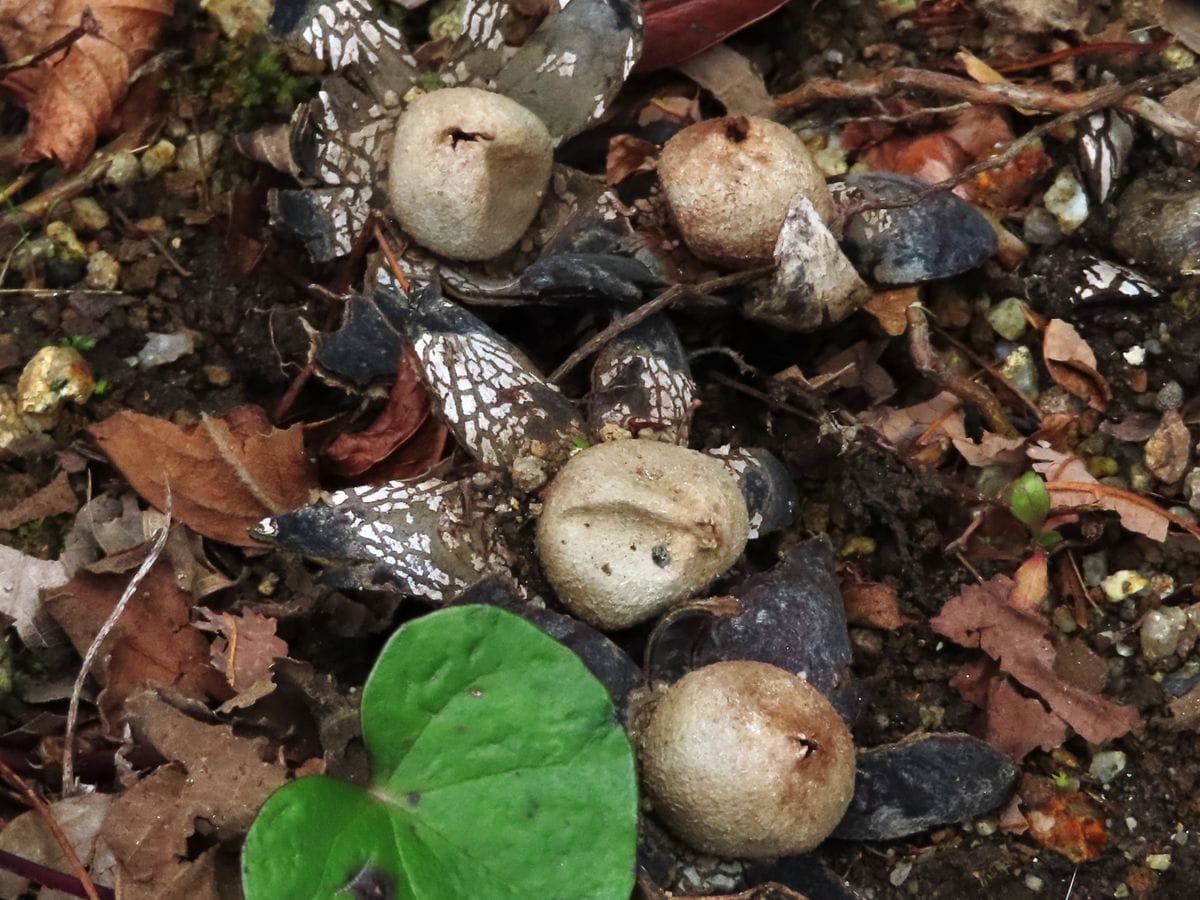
(939, 417)
(1072, 364)
(225, 474)
(153, 642)
(406, 411)
(72, 95)
(246, 648)
(415, 457)
(1013, 724)
(870, 603)
(983, 616)
(626, 155)
(930, 157)
(51, 500)
(676, 30)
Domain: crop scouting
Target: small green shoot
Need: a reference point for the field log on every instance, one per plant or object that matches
(500, 771)
(1029, 501)
(80, 342)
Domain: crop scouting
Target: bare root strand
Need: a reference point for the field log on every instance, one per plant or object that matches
(1127, 98)
(929, 362)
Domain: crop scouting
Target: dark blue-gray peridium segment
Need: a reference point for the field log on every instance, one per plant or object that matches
(939, 236)
(923, 781)
(575, 63)
(792, 617)
(369, 344)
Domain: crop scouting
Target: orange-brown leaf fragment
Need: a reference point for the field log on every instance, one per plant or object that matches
(871, 603)
(224, 474)
(246, 648)
(72, 95)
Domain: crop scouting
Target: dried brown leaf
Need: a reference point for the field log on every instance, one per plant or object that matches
(153, 642)
(1072, 364)
(871, 603)
(936, 418)
(983, 616)
(1031, 583)
(29, 837)
(225, 474)
(626, 155)
(733, 80)
(52, 500)
(72, 95)
(890, 309)
(991, 449)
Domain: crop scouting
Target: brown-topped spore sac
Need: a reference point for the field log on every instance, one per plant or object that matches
(744, 760)
(729, 183)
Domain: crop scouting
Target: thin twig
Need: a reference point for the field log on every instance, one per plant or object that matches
(93, 651)
(42, 808)
(52, 879)
(930, 363)
(672, 294)
(990, 369)
(88, 25)
(159, 245)
(1036, 97)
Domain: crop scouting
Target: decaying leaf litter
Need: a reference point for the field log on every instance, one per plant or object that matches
(967, 363)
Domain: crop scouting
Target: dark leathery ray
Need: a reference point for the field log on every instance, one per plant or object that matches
(641, 380)
(1066, 281)
(366, 348)
(326, 220)
(769, 490)
(485, 390)
(575, 63)
(427, 538)
(587, 276)
(343, 32)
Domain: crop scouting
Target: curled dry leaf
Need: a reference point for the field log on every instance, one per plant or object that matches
(72, 95)
(225, 474)
(1072, 364)
(406, 411)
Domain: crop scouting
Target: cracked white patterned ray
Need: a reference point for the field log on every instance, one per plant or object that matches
(346, 32)
(494, 400)
(641, 380)
(420, 534)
